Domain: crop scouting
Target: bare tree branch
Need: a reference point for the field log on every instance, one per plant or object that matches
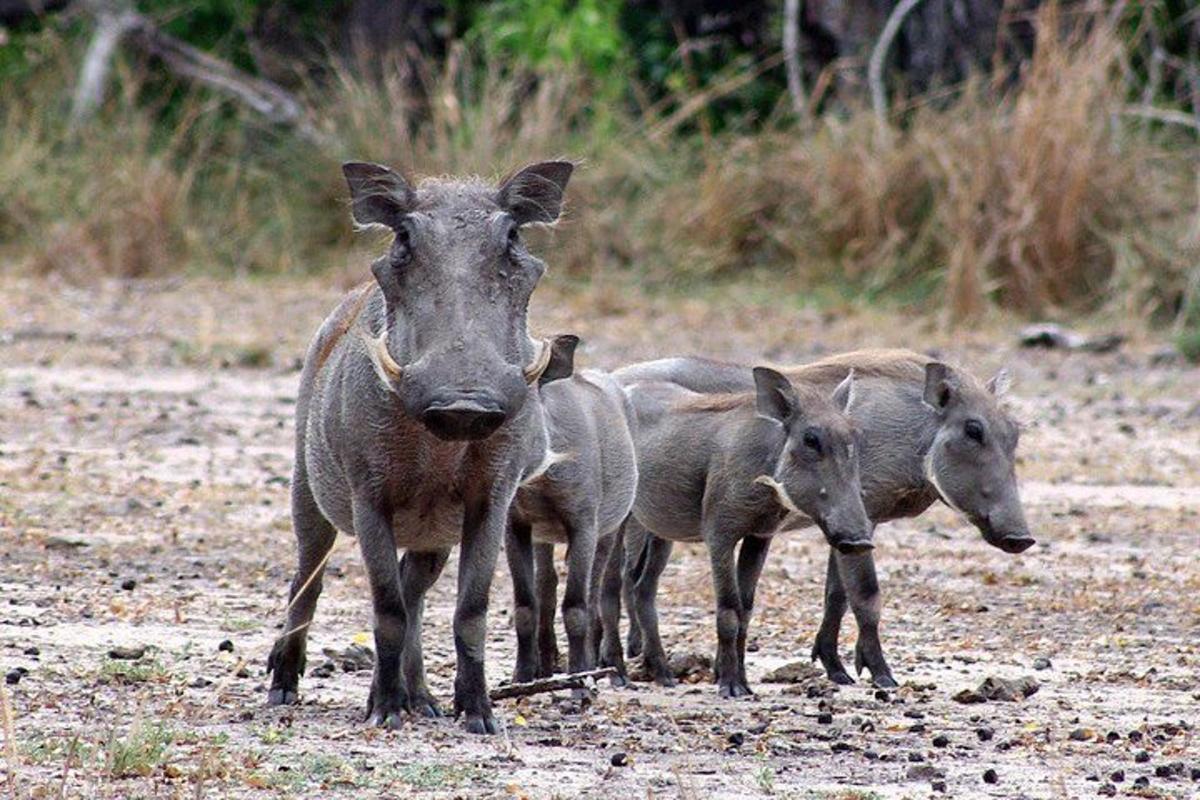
(879, 56)
(1167, 115)
(116, 21)
(791, 55)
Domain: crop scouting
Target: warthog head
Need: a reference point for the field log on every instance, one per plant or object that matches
(971, 461)
(457, 282)
(817, 471)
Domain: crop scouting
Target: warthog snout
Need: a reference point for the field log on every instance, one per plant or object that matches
(853, 547)
(1005, 532)
(1015, 544)
(463, 417)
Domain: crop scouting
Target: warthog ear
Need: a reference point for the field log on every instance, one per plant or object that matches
(562, 359)
(940, 386)
(1000, 383)
(378, 195)
(843, 395)
(535, 193)
(776, 397)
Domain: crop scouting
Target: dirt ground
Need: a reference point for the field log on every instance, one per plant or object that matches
(145, 452)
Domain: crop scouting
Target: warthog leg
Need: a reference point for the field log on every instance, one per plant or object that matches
(388, 697)
(751, 557)
(418, 572)
(645, 594)
(581, 552)
(518, 548)
(315, 537)
(483, 530)
(826, 646)
(546, 577)
(609, 606)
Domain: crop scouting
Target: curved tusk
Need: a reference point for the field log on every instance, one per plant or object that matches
(386, 368)
(535, 369)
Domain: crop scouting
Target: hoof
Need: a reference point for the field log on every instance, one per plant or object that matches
(666, 680)
(618, 680)
(885, 681)
(282, 697)
(734, 690)
(388, 720)
(425, 706)
(483, 724)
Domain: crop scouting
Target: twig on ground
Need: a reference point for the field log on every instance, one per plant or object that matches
(575, 680)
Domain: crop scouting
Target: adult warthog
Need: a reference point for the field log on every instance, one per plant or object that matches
(929, 431)
(418, 417)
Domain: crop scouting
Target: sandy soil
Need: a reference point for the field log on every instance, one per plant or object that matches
(145, 449)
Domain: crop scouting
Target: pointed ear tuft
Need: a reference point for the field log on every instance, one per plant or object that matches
(378, 195)
(940, 386)
(1000, 383)
(776, 397)
(843, 395)
(535, 193)
(562, 359)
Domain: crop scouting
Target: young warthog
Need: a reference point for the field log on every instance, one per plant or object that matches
(929, 432)
(581, 500)
(417, 418)
(729, 469)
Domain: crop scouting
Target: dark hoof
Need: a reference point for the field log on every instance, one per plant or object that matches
(885, 681)
(524, 673)
(735, 689)
(484, 724)
(618, 680)
(840, 677)
(425, 706)
(282, 697)
(389, 720)
(633, 646)
(665, 680)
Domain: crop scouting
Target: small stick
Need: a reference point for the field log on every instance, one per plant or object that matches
(575, 680)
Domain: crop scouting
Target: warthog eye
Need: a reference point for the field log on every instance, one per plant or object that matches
(514, 236)
(973, 429)
(403, 245)
(812, 440)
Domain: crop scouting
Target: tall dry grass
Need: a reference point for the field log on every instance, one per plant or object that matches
(1037, 196)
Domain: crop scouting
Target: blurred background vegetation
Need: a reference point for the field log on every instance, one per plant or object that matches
(1033, 157)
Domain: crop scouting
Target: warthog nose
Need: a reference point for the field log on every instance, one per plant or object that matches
(1016, 544)
(463, 418)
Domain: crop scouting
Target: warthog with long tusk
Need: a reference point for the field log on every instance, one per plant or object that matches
(929, 431)
(580, 500)
(729, 469)
(417, 419)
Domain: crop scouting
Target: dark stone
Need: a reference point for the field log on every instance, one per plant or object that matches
(825, 719)
(225, 647)
(737, 738)
(985, 733)
(13, 677)
(619, 759)
(941, 740)
(990, 776)
(129, 584)
(1142, 757)
(1118, 776)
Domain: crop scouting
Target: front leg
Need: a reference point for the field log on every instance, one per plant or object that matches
(547, 602)
(518, 548)
(609, 603)
(825, 648)
(644, 608)
(418, 571)
(483, 529)
(729, 613)
(581, 551)
(373, 527)
(751, 557)
(862, 587)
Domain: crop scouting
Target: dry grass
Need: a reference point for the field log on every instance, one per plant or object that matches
(1036, 196)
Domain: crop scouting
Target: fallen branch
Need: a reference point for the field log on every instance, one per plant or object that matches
(697, 102)
(575, 680)
(879, 55)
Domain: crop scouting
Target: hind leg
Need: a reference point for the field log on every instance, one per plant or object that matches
(547, 601)
(609, 605)
(418, 572)
(581, 552)
(315, 538)
(637, 549)
(645, 594)
(518, 549)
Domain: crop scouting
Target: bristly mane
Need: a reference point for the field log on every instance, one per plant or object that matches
(730, 401)
(897, 364)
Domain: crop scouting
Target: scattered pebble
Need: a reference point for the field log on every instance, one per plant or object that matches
(32, 651)
(1142, 782)
(737, 738)
(123, 653)
(1107, 790)
(1142, 757)
(941, 740)
(938, 786)
(200, 683)
(129, 584)
(13, 677)
(990, 776)
(225, 646)
(825, 719)
(619, 759)
(1118, 776)
(985, 733)
(1041, 663)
